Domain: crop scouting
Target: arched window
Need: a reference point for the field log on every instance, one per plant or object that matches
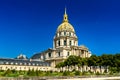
(69, 33)
(58, 54)
(70, 43)
(59, 43)
(49, 54)
(64, 42)
(68, 53)
(60, 33)
(64, 33)
(82, 51)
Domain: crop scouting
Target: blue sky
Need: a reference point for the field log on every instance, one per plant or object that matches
(28, 26)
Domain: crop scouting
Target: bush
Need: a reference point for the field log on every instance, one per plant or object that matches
(73, 70)
(77, 73)
(31, 72)
(97, 73)
(47, 73)
(51, 71)
(14, 71)
(7, 73)
(84, 73)
(66, 73)
(91, 72)
(111, 73)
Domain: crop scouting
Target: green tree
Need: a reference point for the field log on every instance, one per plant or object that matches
(7, 72)
(60, 65)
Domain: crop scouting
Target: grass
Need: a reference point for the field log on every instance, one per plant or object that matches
(9, 73)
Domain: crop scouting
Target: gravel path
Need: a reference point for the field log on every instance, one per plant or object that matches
(99, 78)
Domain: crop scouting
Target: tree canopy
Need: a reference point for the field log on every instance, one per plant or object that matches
(106, 60)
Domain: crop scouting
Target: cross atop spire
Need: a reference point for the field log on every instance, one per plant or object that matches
(65, 17)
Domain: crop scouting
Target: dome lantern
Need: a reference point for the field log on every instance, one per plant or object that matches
(65, 25)
(65, 17)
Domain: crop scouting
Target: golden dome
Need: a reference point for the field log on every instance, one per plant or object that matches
(65, 26)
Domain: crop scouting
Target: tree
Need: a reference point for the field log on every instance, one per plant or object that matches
(60, 65)
(7, 72)
(72, 61)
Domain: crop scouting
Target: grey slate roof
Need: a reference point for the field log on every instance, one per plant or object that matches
(9, 61)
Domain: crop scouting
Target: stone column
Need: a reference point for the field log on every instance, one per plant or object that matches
(53, 44)
(56, 43)
(67, 42)
(84, 54)
(76, 43)
(72, 42)
(60, 42)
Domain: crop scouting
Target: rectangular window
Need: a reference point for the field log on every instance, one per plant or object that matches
(68, 54)
(58, 54)
(59, 43)
(70, 43)
(69, 34)
(49, 54)
(60, 33)
(64, 33)
(64, 42)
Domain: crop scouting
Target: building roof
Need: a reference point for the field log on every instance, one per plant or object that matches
(9, 61)
(21, 56)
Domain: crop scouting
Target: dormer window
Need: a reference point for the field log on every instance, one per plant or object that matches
(33, 64)
(7, 62)
(20, 63)
(29, 63)
(24, 63)
(11, 63)
(16, 63)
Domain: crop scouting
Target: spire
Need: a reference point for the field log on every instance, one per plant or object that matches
(65, 10)
(65, 17)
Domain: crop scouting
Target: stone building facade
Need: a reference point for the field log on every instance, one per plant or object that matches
(65, 43)
(21, 63)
